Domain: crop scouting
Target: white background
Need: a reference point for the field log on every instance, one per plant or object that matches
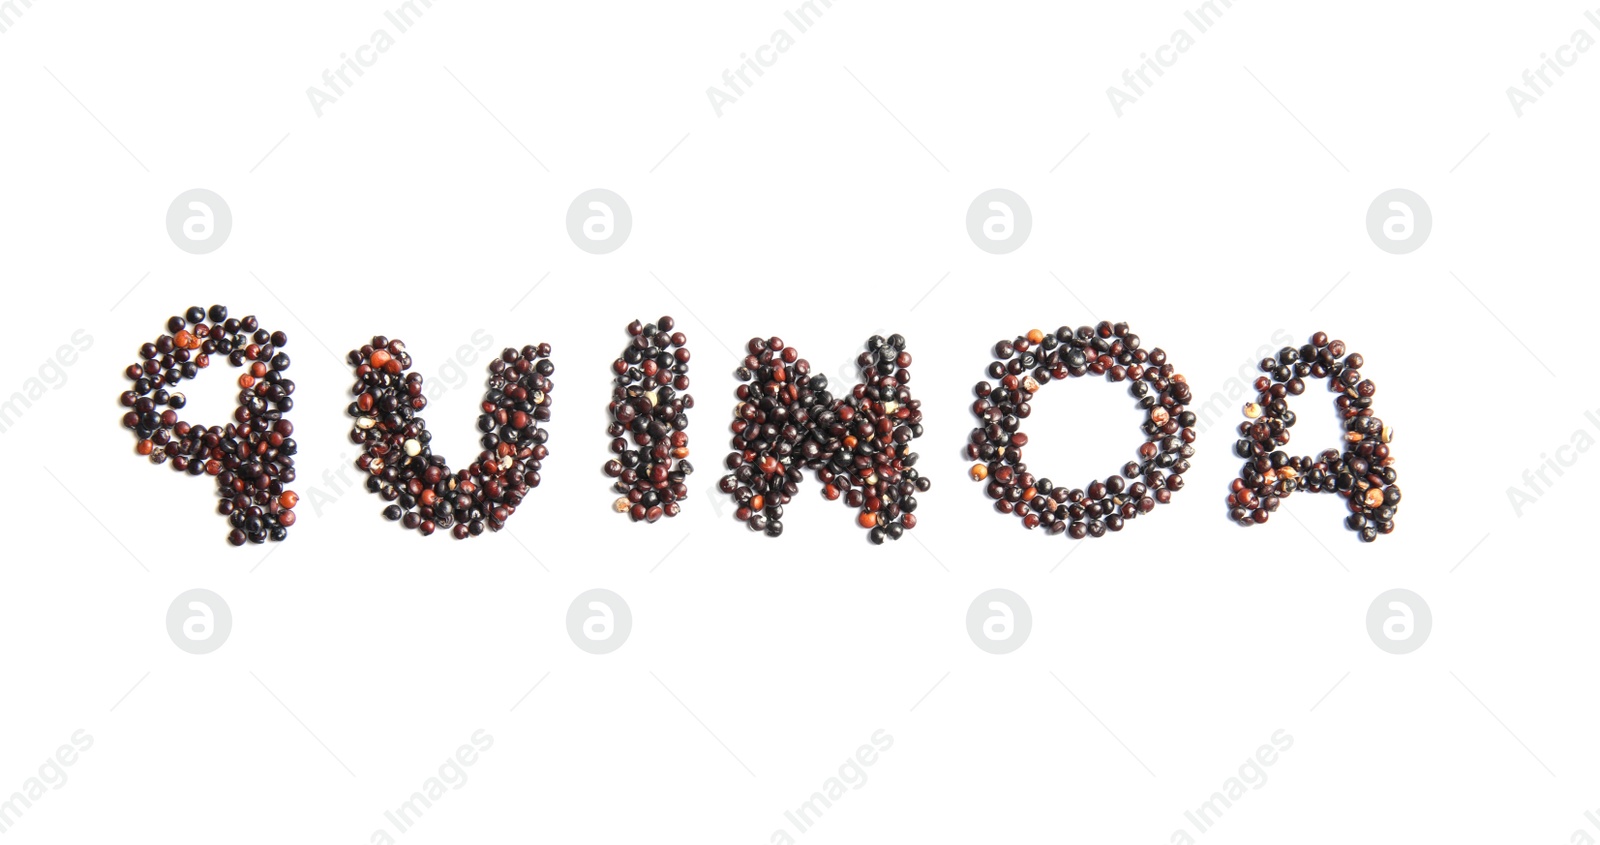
(1219, 209)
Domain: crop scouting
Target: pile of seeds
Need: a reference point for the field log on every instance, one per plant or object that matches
(252, 458)
(425, 494)
(1026, 363)
(649, 405)
(1363, 473)
(787, 421)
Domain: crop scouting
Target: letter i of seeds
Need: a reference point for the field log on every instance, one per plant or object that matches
(649, 424)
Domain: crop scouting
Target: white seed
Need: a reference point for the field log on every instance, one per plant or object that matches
(1252, 410)
(366, 422)
(413, 448)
